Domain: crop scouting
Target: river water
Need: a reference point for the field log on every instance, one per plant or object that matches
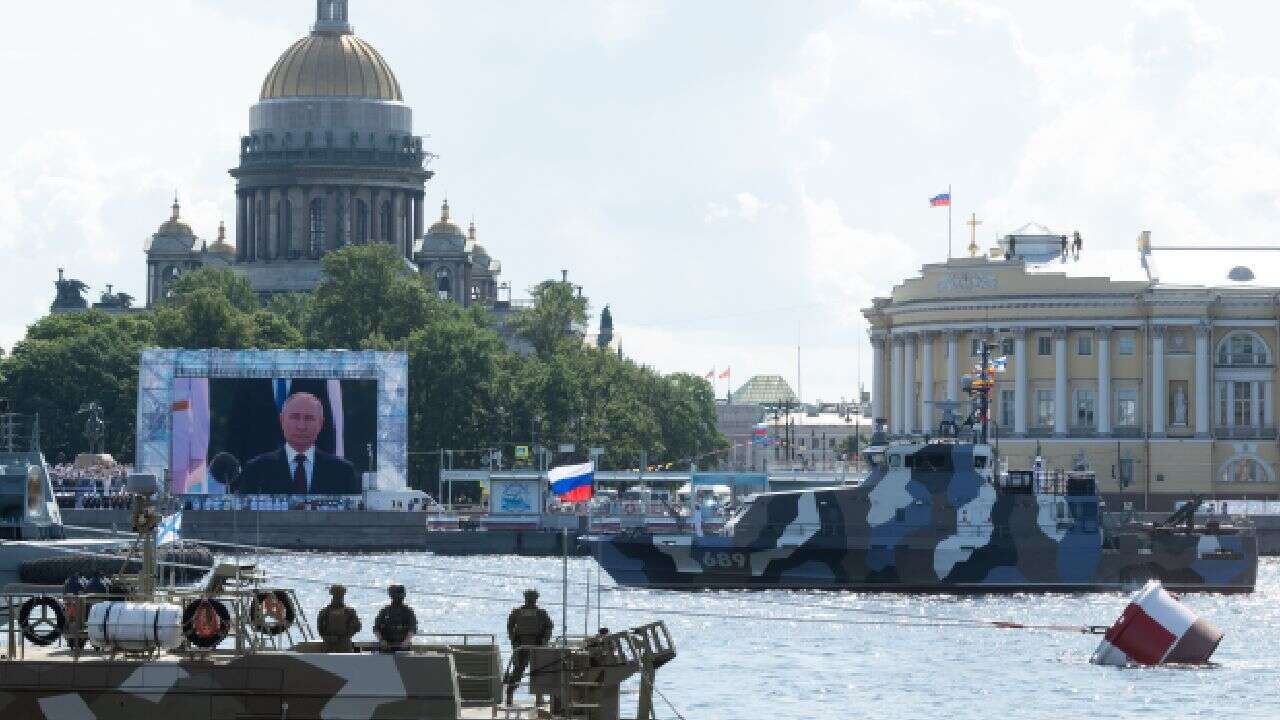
(790, 655)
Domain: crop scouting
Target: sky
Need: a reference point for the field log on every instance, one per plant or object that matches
(736, 179)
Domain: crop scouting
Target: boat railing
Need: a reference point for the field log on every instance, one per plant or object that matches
(585, 672)
(242, 619)
(19, 433)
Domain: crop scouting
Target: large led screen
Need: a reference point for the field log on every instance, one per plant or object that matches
(272, 436)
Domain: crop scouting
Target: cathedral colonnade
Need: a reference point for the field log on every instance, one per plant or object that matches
(303, 222)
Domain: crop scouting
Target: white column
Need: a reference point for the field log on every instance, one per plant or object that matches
(953, 373)
(1204, 384)
(1255, 401)
(895, 392)
(1102, 405)
(1158, 401)
(1021, 361)
(909, 384)
(926, 382)
(1060, 408)
(878, 388)
(1268, 415)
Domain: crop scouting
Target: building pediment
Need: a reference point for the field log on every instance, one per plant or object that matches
(972, 278)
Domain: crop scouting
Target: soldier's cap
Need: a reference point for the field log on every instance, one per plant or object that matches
(337, 589)
(395, 590)
(531, 593)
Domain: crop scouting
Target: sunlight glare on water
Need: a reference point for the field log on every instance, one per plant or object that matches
(732, 664)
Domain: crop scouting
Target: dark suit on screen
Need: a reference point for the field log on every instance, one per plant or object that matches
(270, 474)
(255, 417)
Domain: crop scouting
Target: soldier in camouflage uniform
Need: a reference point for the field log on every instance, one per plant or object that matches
(338, 623)
(396, 623)
(527, 626)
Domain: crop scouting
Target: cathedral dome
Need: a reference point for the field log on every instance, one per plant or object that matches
(445, 226)
(331, 64)
(221, 246)
(174, 226)
(174, 235)
(444, 236)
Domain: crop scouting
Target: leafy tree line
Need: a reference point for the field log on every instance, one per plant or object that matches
(468, 391)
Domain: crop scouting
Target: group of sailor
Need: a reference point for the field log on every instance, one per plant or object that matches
(394, 627)
(528, 626)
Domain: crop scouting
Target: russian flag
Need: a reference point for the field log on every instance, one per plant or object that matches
(942, 200)
(573, 483)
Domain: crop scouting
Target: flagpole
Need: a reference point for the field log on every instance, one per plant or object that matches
(950, 202)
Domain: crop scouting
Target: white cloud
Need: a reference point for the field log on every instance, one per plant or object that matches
(618, 22)
(745, 207)
(749, 206)
(849, 265)
(803, 90)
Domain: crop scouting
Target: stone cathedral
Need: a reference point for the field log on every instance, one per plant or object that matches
(330, 160)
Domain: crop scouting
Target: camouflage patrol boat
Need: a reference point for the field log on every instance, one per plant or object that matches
(938, 516)
(239, 648)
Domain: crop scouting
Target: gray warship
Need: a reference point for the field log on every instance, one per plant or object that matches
(238, 646)
(31, 529)
(34, 546)
(939, 516)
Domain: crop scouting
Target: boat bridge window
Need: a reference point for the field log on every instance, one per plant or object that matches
(899, 460)
(1017, 481)
(979, 461)
(934, 459)
(1082, 484)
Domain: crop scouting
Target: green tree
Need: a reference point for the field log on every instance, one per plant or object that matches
(556, 317)
(220, 281)
(274, 332)
(69, 360)
(454, 361)
(687, 414)
(204, 318)
(606, 328)
(367, 291)
(294, 308)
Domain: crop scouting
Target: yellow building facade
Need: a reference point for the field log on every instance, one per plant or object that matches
(1164, 391)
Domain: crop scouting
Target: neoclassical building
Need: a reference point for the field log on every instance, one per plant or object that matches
(1164, 390)
(330, 160)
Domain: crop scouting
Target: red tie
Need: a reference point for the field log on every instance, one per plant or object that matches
(300, 475)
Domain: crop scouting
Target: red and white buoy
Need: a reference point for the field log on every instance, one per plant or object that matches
(1156, 629)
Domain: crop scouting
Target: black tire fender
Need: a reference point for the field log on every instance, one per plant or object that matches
(30, 627)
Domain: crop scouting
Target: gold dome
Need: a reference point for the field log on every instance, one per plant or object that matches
(174, 225)
(331, 64)
(444, 226)
(221, 246)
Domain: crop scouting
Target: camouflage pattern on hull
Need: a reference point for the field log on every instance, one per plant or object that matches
(298, 686)
(931, 518)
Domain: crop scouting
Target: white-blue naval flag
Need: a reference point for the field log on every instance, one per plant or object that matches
(170, 529)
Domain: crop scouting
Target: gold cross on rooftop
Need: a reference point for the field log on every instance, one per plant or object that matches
(973, 222)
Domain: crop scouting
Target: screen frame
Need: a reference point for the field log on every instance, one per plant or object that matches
(389, 370)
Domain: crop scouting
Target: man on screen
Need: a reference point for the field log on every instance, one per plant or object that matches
(299, 467)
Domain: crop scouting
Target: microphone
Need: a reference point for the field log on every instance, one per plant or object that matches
(225, 468)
